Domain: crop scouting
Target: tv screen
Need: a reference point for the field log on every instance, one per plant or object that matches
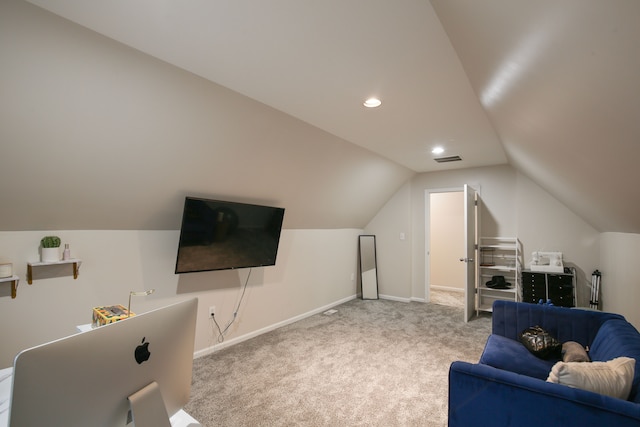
(219, 235)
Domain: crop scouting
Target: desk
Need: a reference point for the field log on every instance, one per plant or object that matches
(179, 419)
(182, 419)
(5, 394)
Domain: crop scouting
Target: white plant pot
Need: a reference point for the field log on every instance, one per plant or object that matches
(50, 254)
(6, 270)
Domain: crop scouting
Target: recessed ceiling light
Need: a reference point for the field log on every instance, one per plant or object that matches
(437, 150)
(372, 103)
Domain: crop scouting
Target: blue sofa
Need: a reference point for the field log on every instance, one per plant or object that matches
(508, 387)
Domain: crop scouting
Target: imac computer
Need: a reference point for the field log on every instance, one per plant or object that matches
(136, 371)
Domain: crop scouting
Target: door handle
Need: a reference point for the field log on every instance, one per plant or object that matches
(466, 259)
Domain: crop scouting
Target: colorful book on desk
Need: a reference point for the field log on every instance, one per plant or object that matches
(104, 315)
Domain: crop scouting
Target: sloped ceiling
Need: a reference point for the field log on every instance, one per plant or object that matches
(560, 82)
(318, 61)
(550, 87)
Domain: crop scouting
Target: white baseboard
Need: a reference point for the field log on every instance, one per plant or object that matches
(447, 288)
(392, 298)
(245, 337)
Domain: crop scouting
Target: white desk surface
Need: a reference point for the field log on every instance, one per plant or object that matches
(179, 419)
(5, 395)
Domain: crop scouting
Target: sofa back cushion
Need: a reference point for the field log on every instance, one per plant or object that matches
(565, 324)
(618, 338)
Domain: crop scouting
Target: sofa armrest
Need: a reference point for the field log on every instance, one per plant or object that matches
(566, 324)
(480, 395)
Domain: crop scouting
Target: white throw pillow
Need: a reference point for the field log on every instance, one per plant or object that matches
(613, 378)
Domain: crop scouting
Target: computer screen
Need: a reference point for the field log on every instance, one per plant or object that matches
(86, 379)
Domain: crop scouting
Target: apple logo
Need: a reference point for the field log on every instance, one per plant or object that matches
(142, 352)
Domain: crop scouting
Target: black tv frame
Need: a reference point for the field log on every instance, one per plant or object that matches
(225, 235)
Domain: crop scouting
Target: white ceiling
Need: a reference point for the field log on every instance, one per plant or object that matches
(549, 86)
(560, 82)
(318, 61)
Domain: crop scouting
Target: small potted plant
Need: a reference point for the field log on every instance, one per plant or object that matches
(50, 251)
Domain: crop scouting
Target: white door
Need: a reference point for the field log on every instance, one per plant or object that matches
(470, 252)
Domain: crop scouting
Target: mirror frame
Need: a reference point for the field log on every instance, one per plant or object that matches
(368, 266)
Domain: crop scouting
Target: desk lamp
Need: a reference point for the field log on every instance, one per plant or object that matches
(137, 294)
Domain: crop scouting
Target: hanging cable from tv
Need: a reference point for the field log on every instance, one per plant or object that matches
(221, 333)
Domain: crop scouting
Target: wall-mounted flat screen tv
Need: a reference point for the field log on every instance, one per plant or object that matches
(220, 235)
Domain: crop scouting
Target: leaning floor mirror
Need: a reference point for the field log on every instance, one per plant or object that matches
(368, 266)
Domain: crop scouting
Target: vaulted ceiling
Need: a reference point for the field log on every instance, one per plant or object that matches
(549, 86)
(559, 81)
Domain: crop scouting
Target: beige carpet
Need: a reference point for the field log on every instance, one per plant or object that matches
(373, 363)
(450, 298)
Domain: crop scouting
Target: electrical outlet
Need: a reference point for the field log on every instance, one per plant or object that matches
(212, 311)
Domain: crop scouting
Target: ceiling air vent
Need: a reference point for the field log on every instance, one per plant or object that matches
(448, 159)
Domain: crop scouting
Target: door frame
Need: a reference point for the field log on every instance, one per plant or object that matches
(427, 234)
(471, 201)
(427, 228)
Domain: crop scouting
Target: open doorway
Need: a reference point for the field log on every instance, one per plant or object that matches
(446, 279)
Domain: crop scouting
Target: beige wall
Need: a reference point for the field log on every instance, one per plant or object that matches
(96, 136)
(392, 227)
(446, 240)
(544, 223)
(496, 186)
(313, 271)
(512, 205)
(114, 124)
(620, 286)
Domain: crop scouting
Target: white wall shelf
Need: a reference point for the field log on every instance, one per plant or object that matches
(498, 256)
(74, 262)
(13, 280)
